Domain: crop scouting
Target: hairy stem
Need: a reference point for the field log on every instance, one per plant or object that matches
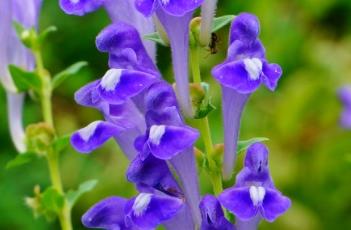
(64, 214)
(204, 127)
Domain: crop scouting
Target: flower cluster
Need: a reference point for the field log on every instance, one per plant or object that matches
(146, 118)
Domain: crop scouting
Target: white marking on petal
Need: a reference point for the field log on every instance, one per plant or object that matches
(88, 131)
(253, 66)
(111, 79)
(257, 194)
(75, 1)
(165, 2)
(141, 203)
(156, 133)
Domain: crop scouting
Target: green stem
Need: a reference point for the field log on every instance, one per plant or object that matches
(204, 127)
(52, 157)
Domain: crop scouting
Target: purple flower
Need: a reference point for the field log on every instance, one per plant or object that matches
(345, 98)
(175, 16)
(212, 215)
(145, 211)
(152, 173)
(254, 196)
(119, 11)
(12, 51)
(244, 70)
(125, 48)
(135, 101)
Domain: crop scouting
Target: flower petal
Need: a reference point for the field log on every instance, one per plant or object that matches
(179, 7)
(106, 214)
(167, 141)
(238, 201)
(274, 204)
(153, 172)
(244, 78)
(93, 136)
(345, 119)
(245, 27)
(239, 50)
(88, 95)
(125, 47)
(80, 7)
(146, 7)
(212, 215)
(149, 210)
(272, 74)
(118, 85)
(159, 96)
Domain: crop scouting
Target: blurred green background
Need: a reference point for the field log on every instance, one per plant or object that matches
(310, 155)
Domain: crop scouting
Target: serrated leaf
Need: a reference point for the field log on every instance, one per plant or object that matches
(52, 200)
(70, 71)
(20, 159)
(61, 143)
(244, 145)
(222, 21)
(24, 80)
(155, 37)
(43, 35)
(73, 196)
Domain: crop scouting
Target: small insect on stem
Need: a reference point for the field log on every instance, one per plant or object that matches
(212, 47)
(213, 43)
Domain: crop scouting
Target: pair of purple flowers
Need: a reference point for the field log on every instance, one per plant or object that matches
(143, 115)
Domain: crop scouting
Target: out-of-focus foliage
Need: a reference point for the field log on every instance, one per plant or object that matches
(310, 154)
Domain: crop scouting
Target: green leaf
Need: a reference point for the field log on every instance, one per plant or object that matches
(244, 145)
(61, 143)
(52, 200)
(24, 80)
(20, 159)
(43, 35)
(222, 21)
(69, 72)
(155, 37)
(73, 196)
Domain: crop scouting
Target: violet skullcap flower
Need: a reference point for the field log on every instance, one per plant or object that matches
(125, 48)
(93, 136)
(345, 98)
(118, 85)
(244, 70)
(80, 7)
(254, 194)
(212, 215)
(172, 7)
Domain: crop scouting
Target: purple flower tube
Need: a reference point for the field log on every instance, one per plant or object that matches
(175, 17)
(244, 70)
